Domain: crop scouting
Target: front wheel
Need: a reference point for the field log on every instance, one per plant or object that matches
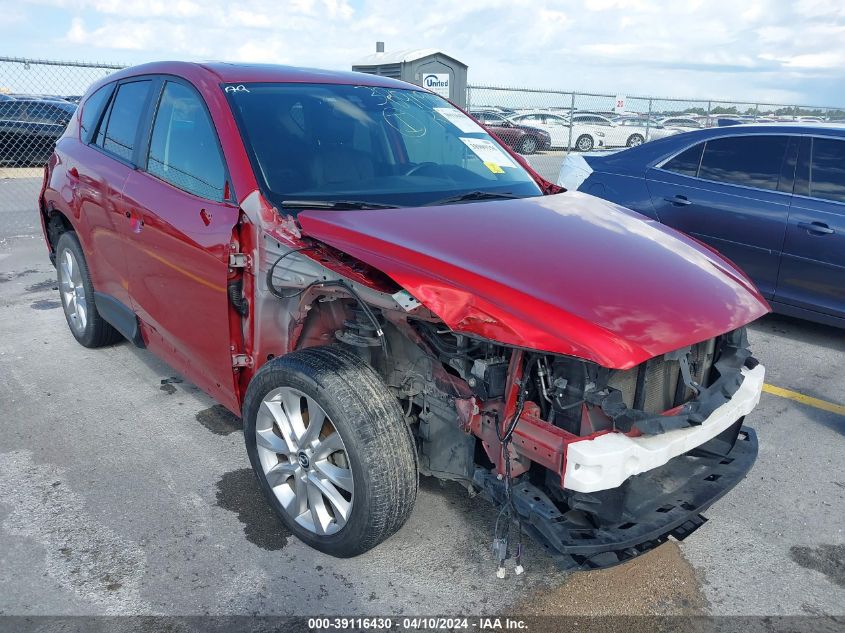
(584, 143)
(331, 449)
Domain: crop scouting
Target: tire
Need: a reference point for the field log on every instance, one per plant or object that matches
(528, 145)
(77, 293)
(634, 140)
(374, 455)
(584, 143)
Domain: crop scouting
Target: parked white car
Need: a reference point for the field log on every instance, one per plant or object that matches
(583, 137)
(642, 127)
(684, 124)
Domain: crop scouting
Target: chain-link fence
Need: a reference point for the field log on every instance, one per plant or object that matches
(38, 97)
(546, 124)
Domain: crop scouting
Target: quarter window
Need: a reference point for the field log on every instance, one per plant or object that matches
(91, 110)
(184, 149)
(686, 163)
(827, 175)
(119, 130)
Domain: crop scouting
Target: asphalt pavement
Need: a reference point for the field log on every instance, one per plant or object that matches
(126, 490)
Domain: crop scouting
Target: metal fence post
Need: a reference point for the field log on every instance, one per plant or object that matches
(648, 121)
(469, 98)
(571, 114)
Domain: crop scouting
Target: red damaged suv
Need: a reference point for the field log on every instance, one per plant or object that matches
(381, 289)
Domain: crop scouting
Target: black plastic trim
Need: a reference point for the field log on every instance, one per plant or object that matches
(652, 512)
(120, 317)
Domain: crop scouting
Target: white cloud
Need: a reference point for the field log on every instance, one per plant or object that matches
(758, 49)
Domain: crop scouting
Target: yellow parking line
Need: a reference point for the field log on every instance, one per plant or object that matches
(808, 400)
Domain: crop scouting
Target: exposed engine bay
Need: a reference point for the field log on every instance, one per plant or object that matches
(506, 421)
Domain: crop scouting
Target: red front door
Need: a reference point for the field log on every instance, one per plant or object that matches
(180, 234)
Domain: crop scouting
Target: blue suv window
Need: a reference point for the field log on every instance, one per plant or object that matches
(827, 176)
(752, 161)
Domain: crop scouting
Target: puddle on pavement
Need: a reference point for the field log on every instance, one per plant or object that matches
(167, 384)
(219, 420)
(47, 284)
(827, 559)
(4, 277)
(45, 304)
(238, 492)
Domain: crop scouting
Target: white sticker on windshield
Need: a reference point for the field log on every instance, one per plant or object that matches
(488, 152)
(460, 120)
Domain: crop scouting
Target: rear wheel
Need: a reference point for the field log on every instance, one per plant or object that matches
(584, 143)
(77, 293)
(634, 140)
(331, 449)
(528, 145)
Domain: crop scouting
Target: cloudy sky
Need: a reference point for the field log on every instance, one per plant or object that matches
(767, 50)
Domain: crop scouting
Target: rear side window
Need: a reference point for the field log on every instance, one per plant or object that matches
(10, 110)
(184, 149)
(120, 128)
(687, 162)
(752, 161)
(91, 110)
(827, 174)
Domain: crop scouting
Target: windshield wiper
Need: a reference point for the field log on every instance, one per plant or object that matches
(474, 195)
(334, 204)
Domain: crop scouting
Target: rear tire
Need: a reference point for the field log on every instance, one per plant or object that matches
(584, 143)
(77, 293)
(634, 140)
(347, 485)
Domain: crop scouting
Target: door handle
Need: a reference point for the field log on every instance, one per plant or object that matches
(679, 200)
(816, 228)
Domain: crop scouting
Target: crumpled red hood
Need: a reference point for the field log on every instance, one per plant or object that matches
(567, 274)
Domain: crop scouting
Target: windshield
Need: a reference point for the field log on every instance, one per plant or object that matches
(363, 143)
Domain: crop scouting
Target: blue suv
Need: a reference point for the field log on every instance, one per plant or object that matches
(769, 197)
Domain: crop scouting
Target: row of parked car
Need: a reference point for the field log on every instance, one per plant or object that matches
(529, 131)
(30, 126)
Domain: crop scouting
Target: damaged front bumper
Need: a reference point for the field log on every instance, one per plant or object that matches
(605, 461)
(640, 514)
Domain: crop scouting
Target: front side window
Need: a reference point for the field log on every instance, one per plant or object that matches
(752, 161)
(388, 146)
(120, 127)
(183, 147)
(827, 174)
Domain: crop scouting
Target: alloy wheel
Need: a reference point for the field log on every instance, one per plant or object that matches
(74, 299)
(304, 460)
(529, 145)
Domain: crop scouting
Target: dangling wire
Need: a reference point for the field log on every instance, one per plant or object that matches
(336, 283)
(509, 507)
